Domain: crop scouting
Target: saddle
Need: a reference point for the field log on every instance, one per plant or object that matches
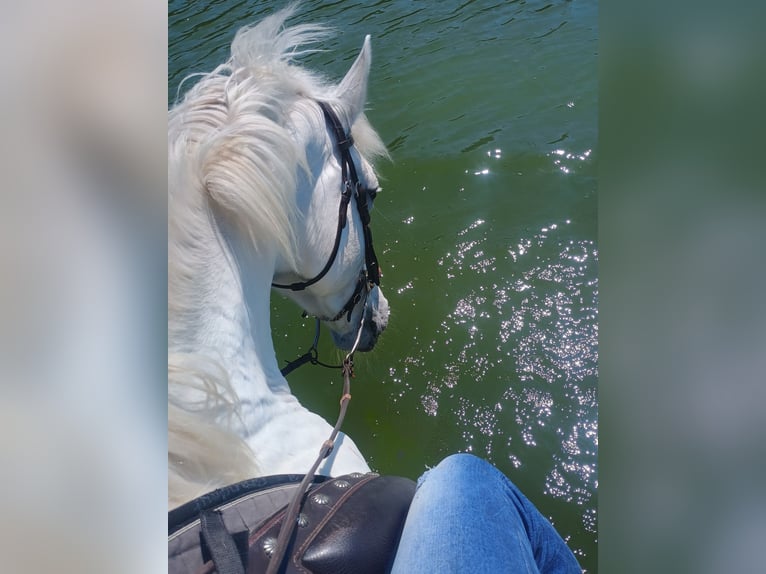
(348, 524)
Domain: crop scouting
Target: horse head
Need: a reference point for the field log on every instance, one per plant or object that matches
(333, 274)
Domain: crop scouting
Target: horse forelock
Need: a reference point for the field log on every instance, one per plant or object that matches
(367, 140)
(228, 145)
(230, 135)
(269, 44)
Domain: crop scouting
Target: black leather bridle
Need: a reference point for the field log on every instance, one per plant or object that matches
(350, 187)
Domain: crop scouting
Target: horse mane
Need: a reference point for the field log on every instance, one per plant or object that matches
(231, 152)
(203, 453)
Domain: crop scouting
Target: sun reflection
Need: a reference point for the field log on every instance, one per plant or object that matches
(565, 156)
(529, 336)
(471, 227)
(492, 153)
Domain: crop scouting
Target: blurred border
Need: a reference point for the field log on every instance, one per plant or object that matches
(682, 337)
(83, 290)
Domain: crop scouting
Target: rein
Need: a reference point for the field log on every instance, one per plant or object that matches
(289, 522)
(310, 356)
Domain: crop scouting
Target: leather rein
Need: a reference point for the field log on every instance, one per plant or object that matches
(291, 515)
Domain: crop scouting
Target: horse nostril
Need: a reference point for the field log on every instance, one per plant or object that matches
(380, 326)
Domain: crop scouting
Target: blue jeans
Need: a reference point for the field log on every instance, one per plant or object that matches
(468, 517)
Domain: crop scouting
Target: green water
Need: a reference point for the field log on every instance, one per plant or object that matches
(485, 231)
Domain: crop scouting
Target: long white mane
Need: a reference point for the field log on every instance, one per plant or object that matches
(231, 155)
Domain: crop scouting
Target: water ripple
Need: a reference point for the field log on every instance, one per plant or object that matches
(533, 334)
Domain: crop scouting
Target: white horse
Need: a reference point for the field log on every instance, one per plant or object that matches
(254, 188)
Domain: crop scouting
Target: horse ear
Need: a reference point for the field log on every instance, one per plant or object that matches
(352, 90)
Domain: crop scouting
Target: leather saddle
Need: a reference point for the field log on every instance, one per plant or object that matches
(347, 524)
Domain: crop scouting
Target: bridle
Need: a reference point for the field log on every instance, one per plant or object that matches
(350, 187)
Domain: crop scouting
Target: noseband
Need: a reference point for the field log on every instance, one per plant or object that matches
(350, 186)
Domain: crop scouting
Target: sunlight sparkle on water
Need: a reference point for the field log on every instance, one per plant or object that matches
(530, 335)
(474, 225)
(565, 156)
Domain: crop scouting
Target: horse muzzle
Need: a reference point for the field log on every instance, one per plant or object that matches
(376, 313)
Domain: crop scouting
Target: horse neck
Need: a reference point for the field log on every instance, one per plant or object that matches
(223, 298)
